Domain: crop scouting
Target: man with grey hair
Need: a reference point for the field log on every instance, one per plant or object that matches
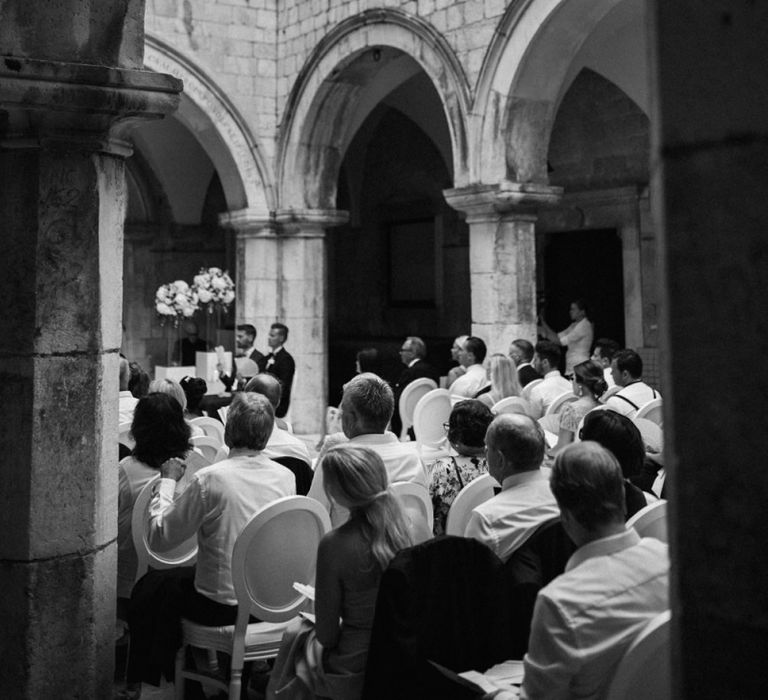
(521, 353)
(216, 505)
(515, 450)
(613, 585)
(366, 409)
(281, 443)
(412, 355)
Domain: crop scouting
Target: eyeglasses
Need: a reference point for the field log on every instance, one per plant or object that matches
(446, 427)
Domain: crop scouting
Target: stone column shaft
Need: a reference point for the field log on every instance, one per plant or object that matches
(502, 258)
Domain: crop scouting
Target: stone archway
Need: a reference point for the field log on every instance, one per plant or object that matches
(319, 119)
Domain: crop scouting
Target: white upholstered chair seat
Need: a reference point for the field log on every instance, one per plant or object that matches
(261, 637)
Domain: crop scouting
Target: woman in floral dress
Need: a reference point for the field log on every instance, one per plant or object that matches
(466, 432)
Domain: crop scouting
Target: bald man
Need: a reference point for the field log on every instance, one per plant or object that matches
(515, 451)
(281, 443)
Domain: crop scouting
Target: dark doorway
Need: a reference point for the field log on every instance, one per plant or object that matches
(586, 264)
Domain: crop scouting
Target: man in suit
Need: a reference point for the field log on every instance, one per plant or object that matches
(521, 353)
(280, 363)
(245, 338)
(185, 350)
(412, 355)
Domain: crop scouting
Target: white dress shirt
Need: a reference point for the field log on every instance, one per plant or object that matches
(282, 444)
(217, 504)
(637, 393)
(546, 391)
(507, 520)
(469, 383)
(401, 460)
(586, 618)
(578, 338)
(126, 404)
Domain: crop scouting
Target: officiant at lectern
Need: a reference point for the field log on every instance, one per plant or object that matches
(189, 345)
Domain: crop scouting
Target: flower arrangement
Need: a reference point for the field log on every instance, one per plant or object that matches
(214, 288)
(176, 299)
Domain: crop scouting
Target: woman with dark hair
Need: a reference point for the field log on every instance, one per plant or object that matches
(588, 385)
(367, 360)
(138, 384)
(160, 433)
(194, 389)
(466, 432)
(620, 435)
(577, 337)
(350, 562)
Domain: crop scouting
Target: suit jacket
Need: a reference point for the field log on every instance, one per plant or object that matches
(257, 357)
(419, 369)
(527, 374)
(283, 368)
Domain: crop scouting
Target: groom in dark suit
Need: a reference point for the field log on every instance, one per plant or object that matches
(279, 363)
(412, 355)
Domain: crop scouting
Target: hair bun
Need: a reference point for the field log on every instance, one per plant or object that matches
(601, 386)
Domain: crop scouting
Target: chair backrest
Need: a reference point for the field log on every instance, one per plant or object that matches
(644, 672)
(302, 471)
(223, 414)
(651, 521)
(432, 410)
(652, 411)
(512, 404)
(277, 548)
(472, 495)
(184, 554)
(418, 508)
(208, 447)
(211, 427)
(410, 397)
(559, 401)
(615, 389)
(124, 435)
(526, 392)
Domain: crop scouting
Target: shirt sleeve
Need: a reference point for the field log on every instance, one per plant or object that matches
(171, 522)
(569, 420)
(479, 529)
(552, 659)
(573, 334)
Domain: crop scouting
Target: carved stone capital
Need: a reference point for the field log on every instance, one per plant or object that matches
(505, 200)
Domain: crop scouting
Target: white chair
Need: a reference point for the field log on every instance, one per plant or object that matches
(526, 392)
(223, 414)
(652, 411)
(559, 401)
(418, 508)
(512, 404)
(409, 398)
(644, 672)
(124, 435)
(184, 554)
(651, 521)
(211, 427)
(431, 412)
(221, 454)
(207, 446)
(277, 548)
(476, 492)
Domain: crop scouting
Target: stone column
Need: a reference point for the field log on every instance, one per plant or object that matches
(710, 149)
(502, 257)
(62, 205)
(281, 276)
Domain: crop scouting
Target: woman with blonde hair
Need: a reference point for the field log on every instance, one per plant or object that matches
(350, 562)
(504, 380)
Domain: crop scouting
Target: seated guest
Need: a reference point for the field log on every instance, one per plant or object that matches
(173, 389)
(366, 409)
(588, 385)
(216, 505)
(138, 384)
(613, 585)
(504, 381)
(627, 370)
(350, 562)
(367, 360)
(521, 353)
(126, 401)
(467, 424)
(160, 433)
(605, 349)
(471, 357)
(412, 355)
(546, 361)
(620, 435)
(194, 389)
(515, 451)
(281, 443)
(455, 372)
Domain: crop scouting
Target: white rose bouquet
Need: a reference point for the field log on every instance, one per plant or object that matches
(215, 288)
(176, 299)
